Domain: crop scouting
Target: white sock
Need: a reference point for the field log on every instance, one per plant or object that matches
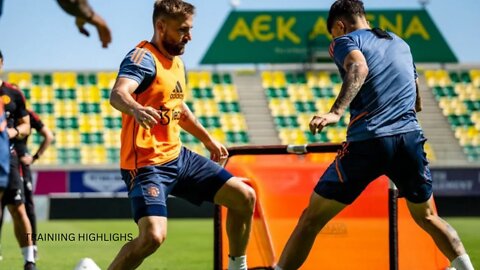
(462, 262)
(28, 254)
(237, 263)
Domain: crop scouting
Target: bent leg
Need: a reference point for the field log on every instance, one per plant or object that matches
(152, 233)
(444, 235)
(239, 198)
(319, 211)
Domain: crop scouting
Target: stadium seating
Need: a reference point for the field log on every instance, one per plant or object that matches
(458, 95)
(294, 97)
(75, 106)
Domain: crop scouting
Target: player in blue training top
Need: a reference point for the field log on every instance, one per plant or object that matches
(383, 136)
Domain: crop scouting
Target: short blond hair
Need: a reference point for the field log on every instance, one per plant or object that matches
(172, 9)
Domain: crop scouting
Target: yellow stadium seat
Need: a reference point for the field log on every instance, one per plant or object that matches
(93, 154)
(193, 79)
(292, 136)
(304, 121)
(324, 79)
(21, 79)
(312, 80)
(279, 79)
(475, 75)
(49, 157)
(275, 106)
(106, 79)
(336, 135)
(267, 79)
(231, 93)
(90, 123)
(219, 135)
(205, 107)
(92, 94)
(218, 92)
(204, 79)
(48, 120)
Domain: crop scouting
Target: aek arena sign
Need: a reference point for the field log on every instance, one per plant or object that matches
(295, 36)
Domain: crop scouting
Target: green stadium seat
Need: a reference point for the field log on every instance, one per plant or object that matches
(454, 77)
(81, 79)
(438, 92)
(47, 79)
(69, 155)
(227, 78)
(271, 92)
(89, 108)
(300, 106)
(105, 93)
(216, 78)
(335, 78)
(92, 79)
(280, 121)
(113, 155)
(449, 91)
(36, 79)
(229, 106)
(282, 92)
(301, 78)
(290, 77)
(70, 94)
(27, 93)
(319, 137)
(465, 77)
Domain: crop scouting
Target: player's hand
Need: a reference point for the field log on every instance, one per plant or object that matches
(147, 117)
(318, 122)
(26, 159)
(218, 152)
(102, 28)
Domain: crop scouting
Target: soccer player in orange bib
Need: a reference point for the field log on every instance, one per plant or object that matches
(149, 92)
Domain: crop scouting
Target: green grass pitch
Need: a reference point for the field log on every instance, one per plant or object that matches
(189, 244)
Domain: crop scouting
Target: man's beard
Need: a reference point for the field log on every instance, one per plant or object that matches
(173, 48)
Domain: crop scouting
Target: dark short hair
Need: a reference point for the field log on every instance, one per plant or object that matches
(1, 55)
(172, 9)
(346, 9)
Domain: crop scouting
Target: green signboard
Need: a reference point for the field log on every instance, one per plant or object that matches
(302, 36)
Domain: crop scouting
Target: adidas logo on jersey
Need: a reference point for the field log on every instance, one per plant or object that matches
(177, 93)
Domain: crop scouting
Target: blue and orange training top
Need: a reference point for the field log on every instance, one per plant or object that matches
(161, 86)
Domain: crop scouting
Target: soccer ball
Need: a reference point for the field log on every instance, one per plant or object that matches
(86, 264)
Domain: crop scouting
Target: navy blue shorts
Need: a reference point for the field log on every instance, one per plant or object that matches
(400, 157)
(190, 176)
(4, 159)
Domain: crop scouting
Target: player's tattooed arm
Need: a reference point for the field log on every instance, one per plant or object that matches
(356, 71)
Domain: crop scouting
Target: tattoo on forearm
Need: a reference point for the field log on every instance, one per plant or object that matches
(352, 83)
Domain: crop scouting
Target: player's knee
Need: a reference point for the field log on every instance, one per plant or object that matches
(427, 220)
(247, 200)
(152, 241)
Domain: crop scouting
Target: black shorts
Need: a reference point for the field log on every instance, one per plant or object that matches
(14, 193)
